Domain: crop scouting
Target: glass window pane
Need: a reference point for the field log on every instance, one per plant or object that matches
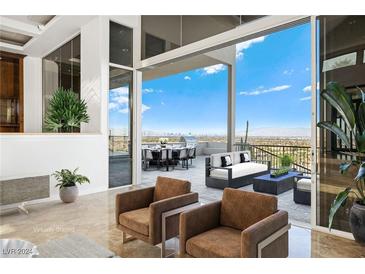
(341, 46)
(160, 34)
(76, 65)
(61, 68)
(121, 41)
(120, 127)
(65, 66)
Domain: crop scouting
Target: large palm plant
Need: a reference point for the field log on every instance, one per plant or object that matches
(66, 111)
(338, 98)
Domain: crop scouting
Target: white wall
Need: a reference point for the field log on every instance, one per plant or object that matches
(32, 155)
(94, 70)
(23, 155)
(32, 95)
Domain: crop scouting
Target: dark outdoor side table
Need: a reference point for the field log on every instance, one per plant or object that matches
(267, 184)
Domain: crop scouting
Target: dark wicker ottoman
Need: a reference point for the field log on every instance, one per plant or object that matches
(302, 190)
(275, 186)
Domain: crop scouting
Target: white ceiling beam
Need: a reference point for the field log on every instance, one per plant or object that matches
(10, 47)
(12, 25)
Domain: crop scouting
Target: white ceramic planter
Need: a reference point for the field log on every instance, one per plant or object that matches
(69, 194)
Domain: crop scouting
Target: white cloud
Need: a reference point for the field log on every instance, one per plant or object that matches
(145, 108)
(260, 90)
(113, 105)
(118, 101)
(305, 98)
(213, 69)
(120, 91)
(121, 100)
(306, 69)
(148, 90)
(124, 110)
(307, 89)
(245, 45)
(151, 90)
(288, 71)
(187, 78)
(162, 103)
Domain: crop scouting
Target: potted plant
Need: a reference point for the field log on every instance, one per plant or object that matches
(163, 141)
(67, 184)
(279, 172)
(66, 112)
(286, 161)
(337, 97)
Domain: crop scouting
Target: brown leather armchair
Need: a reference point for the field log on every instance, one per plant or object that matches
(242, 225)
(138, 212)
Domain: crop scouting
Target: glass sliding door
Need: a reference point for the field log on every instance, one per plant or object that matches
(340, 59)
(120, 127)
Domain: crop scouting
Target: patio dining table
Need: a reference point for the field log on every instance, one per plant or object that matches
(156, 152)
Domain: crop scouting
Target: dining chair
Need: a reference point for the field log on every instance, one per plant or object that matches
(192, 154)
(165, 157)
(183, 156)
(146, 158)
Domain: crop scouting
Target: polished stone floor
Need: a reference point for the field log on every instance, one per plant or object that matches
(93, 216)
(298, 214)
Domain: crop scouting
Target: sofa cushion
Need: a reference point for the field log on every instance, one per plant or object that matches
(244, 157)
(215, 159)
(304, 184)
(239, 170)
(226, 161)
(220, 242)
(241, 209)
(169, 187)
(237, 156)
(137, 220)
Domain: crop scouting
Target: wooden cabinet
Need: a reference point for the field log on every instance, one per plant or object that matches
(11, 92)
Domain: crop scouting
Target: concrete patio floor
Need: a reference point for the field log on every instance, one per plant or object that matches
(298, 214)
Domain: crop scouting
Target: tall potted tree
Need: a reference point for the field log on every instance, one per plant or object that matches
(66, 112)
(338, 98)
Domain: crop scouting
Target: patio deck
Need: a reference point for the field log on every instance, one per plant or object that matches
(298, 214)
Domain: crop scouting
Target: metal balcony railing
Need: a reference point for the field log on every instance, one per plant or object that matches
(301, 155)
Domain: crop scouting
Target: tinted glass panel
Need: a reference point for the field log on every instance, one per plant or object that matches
(121, 40)
(120, 127)
(341, 49)
(61, 68)
(163, 33)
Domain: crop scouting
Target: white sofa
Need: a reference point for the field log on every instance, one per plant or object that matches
(237, 175)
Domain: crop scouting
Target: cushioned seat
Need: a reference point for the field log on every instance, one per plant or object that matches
(239, 170)
(209, 244)
(136, 220)
(234, 227)
(304, 184)
(138, 212)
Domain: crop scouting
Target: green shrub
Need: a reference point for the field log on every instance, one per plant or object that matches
(66, 112)
(286, 160)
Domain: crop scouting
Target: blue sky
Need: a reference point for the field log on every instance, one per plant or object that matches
(273, 75)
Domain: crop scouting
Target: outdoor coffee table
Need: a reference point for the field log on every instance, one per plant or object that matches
(267, 184)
